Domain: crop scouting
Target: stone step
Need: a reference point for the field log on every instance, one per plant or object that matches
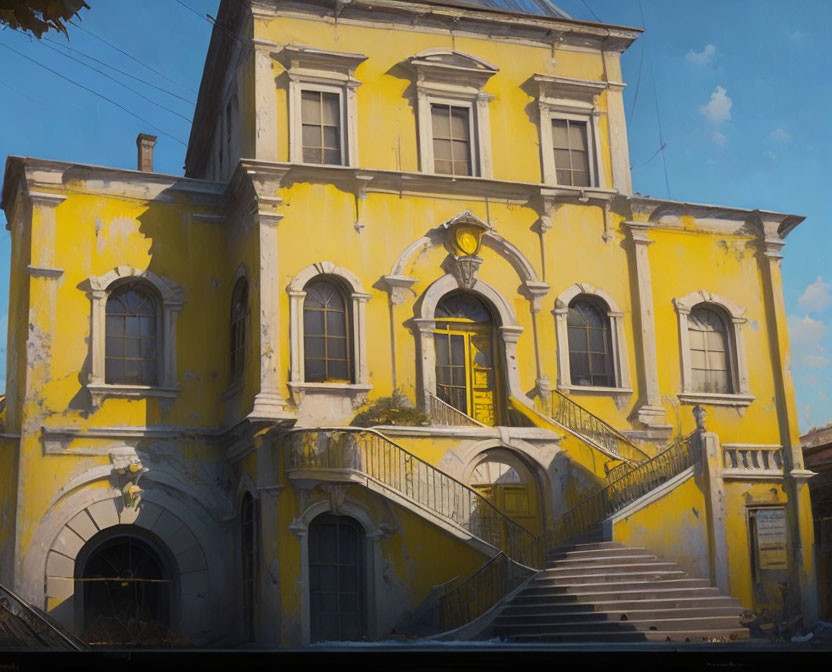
(620, 616)
(549, 605)
(631, 590)
(614, 575)
(680, 623)
(588, 546)
(560, 554)
(726, 635)
(588, 560)
(618, 566)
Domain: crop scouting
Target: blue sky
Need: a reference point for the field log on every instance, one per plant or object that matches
(740, 90)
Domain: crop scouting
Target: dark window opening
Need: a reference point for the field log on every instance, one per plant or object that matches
(132, 332)
(590, 344)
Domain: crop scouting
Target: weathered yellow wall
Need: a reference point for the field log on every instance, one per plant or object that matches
(674, 527)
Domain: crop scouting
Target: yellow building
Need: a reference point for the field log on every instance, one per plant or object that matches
(392, 204)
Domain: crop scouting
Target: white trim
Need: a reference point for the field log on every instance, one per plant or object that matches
(454, 78)
(172, 301)
(621, 362)
(741, 395)
(358, 319)
(575, 100)
(311, 69)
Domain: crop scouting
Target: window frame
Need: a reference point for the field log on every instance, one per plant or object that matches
(733, 317)
(606, 329)
(343, 149)
(356, 303)
(472, 134)
(565, 98)
(615, 316)
(349, 359)
(153, 296)
(311, 69)
(170, 302)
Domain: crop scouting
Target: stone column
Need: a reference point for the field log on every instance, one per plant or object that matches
(798, 509)
(651, 412)
(265, 102)
(715, 502)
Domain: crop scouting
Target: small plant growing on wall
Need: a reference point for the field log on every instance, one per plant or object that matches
(393, 410)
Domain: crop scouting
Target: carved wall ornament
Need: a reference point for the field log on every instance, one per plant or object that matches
(128, 469)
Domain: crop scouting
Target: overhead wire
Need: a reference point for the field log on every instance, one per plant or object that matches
(129, 88)
(211, 20)
(131, 57)
(597, 18)
(119, 70)
(95, 93)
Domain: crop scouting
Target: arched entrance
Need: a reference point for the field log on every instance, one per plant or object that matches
(467, 372)
(509, 485)
(337, 570)
(126, 589)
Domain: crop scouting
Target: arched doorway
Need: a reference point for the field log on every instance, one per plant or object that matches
(467, 372)
(126, 589)
(509, 485)
(337, 578)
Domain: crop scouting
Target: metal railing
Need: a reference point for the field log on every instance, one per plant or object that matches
(374, 456)
(582, 422)
(463, 602)
(636, 483)
(443, 414)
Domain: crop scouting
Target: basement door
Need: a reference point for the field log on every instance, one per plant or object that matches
(336, 579)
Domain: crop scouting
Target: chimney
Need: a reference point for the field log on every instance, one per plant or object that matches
(145, 143)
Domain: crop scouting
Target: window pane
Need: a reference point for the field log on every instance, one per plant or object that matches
(459, 123)
(580, 161)
(115, 370)
(311, 136)
(314, 346)
(149, 372)
(577, 135)
(562, 159)
(115, 347)
(715, 340)
(132, 348)
(559, 133)
(599, 364)
(442, 352)
(564, 177)
(461, 168)
(310, 107)
(115, 325)
(697, 359)
(132, 326)
(716, 361)
(443, 167)
(132, 370)
(312, 155)
(331, 137)
(331, 109)
(314, 370)
(338, 371)
(148, 326)
(578, 368)
(459, 376)
(332, 157)
(457, 349)
(597, 340)
(580, 179)
(336, 348)
(440, 121)
(460, 151)
(313, 322)
(578, 339)
(335, 324)
(442, 149)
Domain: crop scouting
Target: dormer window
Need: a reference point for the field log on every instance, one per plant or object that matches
(454, 126)
(569, 133)
(322, 105)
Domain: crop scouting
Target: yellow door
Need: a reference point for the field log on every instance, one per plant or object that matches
(481, 372)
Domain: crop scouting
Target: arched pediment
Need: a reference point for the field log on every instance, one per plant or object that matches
(458, 60)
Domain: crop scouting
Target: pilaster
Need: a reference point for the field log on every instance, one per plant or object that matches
(265, 101)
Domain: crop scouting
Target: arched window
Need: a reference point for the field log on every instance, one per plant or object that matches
(239, 308)
(710, 360)
(590, 343)
(249, 540)
(326, 334)
(131, 356)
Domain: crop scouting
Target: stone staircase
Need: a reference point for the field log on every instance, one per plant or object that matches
(604, 591)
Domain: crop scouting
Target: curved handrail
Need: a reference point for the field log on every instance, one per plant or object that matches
(450, 416)
(374, 455)
(579, 420)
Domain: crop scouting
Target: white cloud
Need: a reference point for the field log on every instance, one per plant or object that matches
(780, 135)
(806, 336)
(719, 138)
(797, 36)
(815, 297)
(718, 109)
(771, 156)
(703, 58)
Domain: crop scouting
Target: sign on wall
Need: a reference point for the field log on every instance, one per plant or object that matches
(770, 538)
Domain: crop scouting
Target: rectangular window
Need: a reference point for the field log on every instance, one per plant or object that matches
(571, 152)
(451, 126)
(321, 127)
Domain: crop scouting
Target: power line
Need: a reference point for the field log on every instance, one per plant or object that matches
(129, 88)
(131, 57)
(95, 93)
(597, 18)
(126, 74)
(631, 116)
(20, 93)
(210, 20)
